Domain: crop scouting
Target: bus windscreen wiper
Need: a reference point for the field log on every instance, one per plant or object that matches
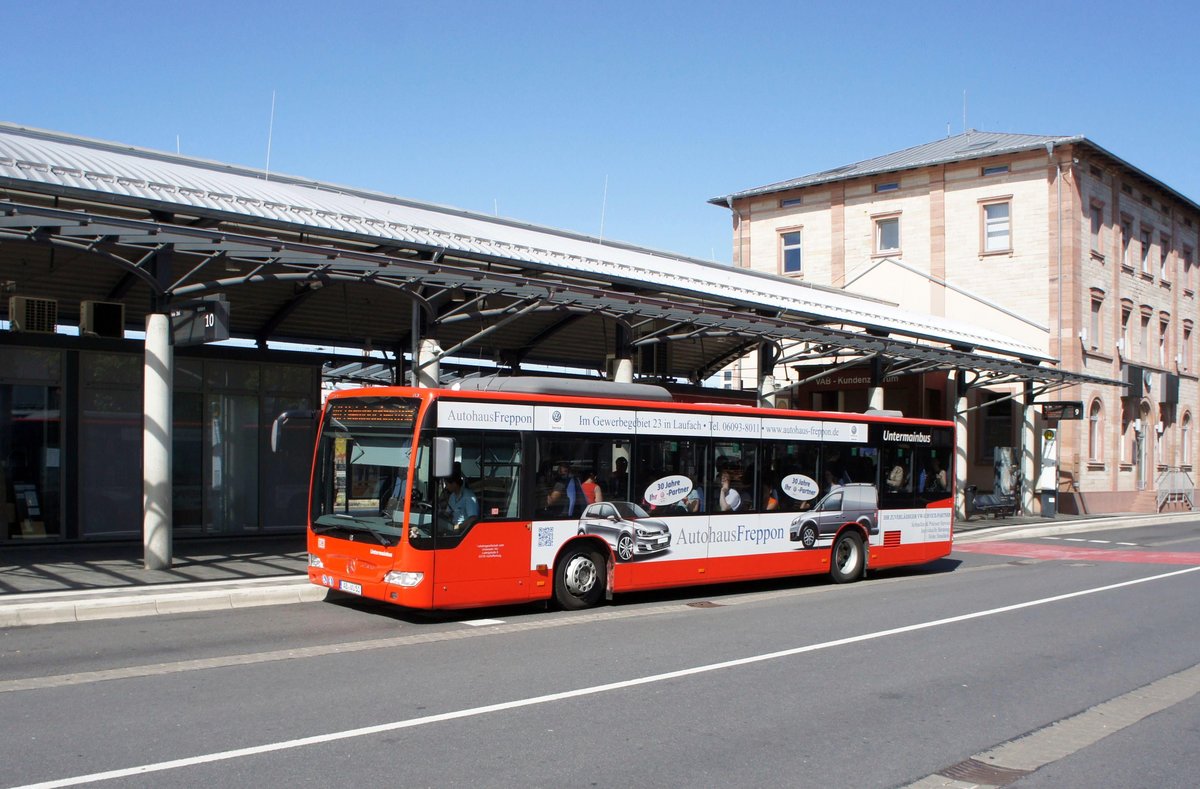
(351, 525)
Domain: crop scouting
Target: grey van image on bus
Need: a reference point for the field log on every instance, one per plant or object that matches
(856, 502)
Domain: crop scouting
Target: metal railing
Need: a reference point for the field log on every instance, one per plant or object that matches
(1175, 486)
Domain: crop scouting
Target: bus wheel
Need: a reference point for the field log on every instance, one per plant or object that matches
(579, 579)
(847, 558)
(625, 548)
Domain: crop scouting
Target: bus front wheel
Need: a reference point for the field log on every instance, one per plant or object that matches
(579, 580)
(847, 558)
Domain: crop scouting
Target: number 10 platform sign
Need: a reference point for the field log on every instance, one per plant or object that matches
(198, 322)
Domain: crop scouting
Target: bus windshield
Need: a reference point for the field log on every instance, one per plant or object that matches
(366, 450)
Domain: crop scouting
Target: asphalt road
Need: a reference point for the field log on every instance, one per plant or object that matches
(1001, 653)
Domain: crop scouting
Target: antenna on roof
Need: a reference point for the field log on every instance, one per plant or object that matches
(270, 133)
(603, 208)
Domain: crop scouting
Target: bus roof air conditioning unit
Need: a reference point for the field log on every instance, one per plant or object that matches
(102, 319)
(28, 314)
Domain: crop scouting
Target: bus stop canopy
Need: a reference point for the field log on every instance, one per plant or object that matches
(315, 263)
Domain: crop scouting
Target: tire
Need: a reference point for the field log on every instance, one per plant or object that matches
(846, 561)
(809, 535)
(625, 548)
(580, 578)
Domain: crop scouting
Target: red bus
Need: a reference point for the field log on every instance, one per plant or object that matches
(507, 490)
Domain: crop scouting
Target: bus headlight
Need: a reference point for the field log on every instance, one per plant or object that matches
(315, 561)
(402, 578)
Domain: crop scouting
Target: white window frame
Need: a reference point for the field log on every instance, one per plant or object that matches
(1126, 241)
(785, 248)
(1096, 328)
(1096, 217)
(995, 230)
(1096, 431)
(878, 223)
(1185, 439)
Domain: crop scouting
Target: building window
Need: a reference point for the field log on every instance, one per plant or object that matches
(791, 202)
(1185, 352)
(997, 227)
(1123, 344)
(1144, 339)
(1186, 255)
(1164, 328)
(887, 235)
(998, 169)
(1097, 215)
(1185, 439)
(1164, 251)
(1126, 242)
(791, 252)
(1145, 239)
(1096, 431)
(1096, 328)
(890, 186)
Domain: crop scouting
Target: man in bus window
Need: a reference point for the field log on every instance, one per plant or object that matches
(566, 499)
(462, 504)
(618, 481)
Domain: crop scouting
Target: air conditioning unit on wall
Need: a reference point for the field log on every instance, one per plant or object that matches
(102, 319)
(32, 315)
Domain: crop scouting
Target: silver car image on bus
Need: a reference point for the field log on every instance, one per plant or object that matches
(627, 528)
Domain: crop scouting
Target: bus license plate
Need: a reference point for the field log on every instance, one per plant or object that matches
(346, 586)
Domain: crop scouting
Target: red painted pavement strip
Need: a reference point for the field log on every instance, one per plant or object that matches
(1027, 550)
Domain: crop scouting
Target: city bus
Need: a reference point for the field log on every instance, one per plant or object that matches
(505, 490)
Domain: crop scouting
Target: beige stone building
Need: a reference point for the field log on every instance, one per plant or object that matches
(1051, 240)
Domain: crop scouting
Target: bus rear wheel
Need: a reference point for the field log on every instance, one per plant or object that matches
(579, 578)
(846, 561)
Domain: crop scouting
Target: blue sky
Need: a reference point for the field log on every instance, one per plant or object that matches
(528, 108)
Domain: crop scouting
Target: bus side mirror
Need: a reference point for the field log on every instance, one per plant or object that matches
(282, 419)
(443, 456)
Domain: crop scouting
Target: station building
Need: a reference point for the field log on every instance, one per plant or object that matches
(1050, 239)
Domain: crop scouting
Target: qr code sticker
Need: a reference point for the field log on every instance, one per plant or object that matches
(545, 536)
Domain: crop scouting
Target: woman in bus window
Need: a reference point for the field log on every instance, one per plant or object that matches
(728, 498)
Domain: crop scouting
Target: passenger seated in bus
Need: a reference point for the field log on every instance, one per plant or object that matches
(462, 506)
(566, 499)
(939, 476)
(618, 481)
(728, 498)
(897, 478)
(694, 501)
(591, 488)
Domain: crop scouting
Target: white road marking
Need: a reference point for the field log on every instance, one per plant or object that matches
(1128, 544)
(482, 622)
(471, 712)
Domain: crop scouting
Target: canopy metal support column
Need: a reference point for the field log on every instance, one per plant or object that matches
(622, 369)
(768, 356)
(1029, 444)
(875, 392)
(157, 374)
(959, 388)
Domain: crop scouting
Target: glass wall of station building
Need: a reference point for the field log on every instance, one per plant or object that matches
(71, 442)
